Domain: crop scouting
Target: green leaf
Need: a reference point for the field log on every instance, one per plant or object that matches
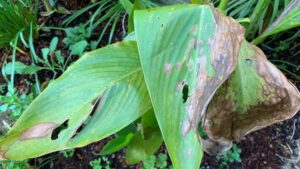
(116, 144)
(289, 18)
(78, 48)
(106, 84)
(138, 5)
(141, 148)
(149, 163)
(189, 53)
(53, 44)
(45, 53)
(127, 5)
(59, 57)
(3, 108)
(21, 68)
(149, 120)
(161, 161)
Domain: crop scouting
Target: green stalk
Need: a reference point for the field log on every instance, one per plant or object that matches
(36, 8)
(47, 5)
(258, 40)
(223, 5)
(34, 58)
(256, 17)
(200, 1)
(15, 42)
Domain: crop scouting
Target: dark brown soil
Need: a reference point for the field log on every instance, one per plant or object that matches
(82, 157)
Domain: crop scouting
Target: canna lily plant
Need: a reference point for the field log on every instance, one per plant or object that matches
(189, 64)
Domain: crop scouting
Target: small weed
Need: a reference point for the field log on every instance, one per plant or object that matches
(68, 153)
(229, 157)
(76, 39)
(100, 163)
(52, 57)
(159, 162)
(283, 45)
(14, 164)
(14, 103)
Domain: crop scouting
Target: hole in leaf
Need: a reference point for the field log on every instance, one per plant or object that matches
(59, 129)
(248, 61)
(95, 105)
(185, 93)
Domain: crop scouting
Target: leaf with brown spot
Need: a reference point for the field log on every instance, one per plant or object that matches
(38, 131)
(106, 84)
(255, 96)
(187, 60)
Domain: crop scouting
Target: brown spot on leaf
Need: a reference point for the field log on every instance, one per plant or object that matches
(189, 48)
(224, 51)
(179, 65)
(266, 90)
(186, 126)
(168, 68)
(38, 131)
(2, 156)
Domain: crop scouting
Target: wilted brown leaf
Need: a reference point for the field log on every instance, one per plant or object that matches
(255, 96)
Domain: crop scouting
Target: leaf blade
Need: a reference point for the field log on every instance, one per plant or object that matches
(184, 38)
(71, 99)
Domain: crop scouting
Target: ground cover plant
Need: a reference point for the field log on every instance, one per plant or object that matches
(197, 85)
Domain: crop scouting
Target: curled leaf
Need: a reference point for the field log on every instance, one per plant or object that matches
(255, 96)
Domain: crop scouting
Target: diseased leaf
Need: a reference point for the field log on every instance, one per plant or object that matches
(106, 84)
(189, 53)
(255, 96)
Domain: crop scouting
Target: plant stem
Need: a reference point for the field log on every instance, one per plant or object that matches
(47, 5)
(12, 77)
(258, 40)
(256, 17)
(200, 1)
(34, 58)
(223, 5)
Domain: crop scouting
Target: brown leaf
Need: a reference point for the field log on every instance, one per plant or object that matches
(255, 96)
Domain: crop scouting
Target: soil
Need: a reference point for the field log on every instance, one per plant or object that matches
(268, 148)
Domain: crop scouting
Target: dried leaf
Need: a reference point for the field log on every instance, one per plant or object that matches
(216, 68)
(255, 96)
